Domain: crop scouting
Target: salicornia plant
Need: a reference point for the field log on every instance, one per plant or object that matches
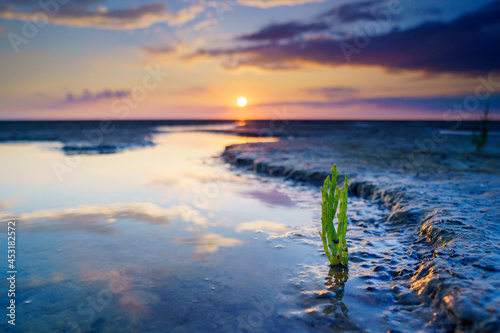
(334, 242)
(480, 140)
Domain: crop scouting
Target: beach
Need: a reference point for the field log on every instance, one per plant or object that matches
(165, 166)
(438, 191)
(195, 226)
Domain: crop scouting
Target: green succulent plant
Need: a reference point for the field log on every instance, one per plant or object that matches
(334, 241)
(480, 139)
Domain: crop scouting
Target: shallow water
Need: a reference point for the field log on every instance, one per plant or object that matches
(441, 193)
(169, 238)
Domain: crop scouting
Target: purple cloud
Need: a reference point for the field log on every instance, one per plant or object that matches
(87, 96)
(276, 32)
(93, 13)
(352, 12)
(417, 103)
(467, 45)
(332, 92)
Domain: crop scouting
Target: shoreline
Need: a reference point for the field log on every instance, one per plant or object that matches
(434, 203)
(441, 205)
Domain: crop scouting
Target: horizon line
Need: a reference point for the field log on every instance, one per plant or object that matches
(232, 120)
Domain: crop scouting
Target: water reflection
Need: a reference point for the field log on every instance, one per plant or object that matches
(271, 198)
(56, 277)
(335, 283)
(138, 208)
(97, 137)
(6, 204)
(210, 242)
(268, 227)
(101, 219)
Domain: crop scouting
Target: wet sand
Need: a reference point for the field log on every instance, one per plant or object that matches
(441, 194)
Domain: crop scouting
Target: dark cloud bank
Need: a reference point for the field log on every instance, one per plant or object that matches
(467, 45)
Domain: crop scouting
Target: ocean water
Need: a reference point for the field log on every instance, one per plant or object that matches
(147, 228)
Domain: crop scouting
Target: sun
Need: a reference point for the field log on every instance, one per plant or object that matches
(242, 101)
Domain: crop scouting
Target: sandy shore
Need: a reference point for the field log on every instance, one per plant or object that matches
(434, 184)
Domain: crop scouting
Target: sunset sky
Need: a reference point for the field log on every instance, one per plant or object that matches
(301, 59)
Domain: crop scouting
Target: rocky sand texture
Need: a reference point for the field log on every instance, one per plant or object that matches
(443, 194)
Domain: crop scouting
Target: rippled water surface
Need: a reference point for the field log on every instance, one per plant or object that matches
(169, 238)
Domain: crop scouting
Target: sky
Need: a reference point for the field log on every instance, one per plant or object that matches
(291, 59)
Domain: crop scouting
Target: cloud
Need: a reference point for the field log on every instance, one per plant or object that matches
(271, 198)
(430, 103)
(276, 32)
(86, 14)
(466, 45)
(332, 92)
(23, 3)
(159, 49)
(6, 204)
(6, 216)
(268, 227)
(419, 103)
(87, 96)
(210, 243)
(205, 24)
(274, 3)
(352, 12)
(100, 219)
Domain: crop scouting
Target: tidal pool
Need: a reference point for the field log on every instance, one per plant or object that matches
(168, 237)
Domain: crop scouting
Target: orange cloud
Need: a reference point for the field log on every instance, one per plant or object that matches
(274, 3)
(119, 19)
